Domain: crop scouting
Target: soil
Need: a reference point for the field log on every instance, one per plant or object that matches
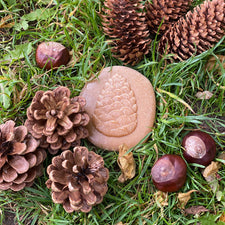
(9, 218)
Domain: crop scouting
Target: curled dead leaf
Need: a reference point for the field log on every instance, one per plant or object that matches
(210, 173)
(4, 22)
(161, 198)
(126, 163)
(184, 198)
(222, 217)
(204, 95)
(213, 62)
(195, 210)
(211, 169)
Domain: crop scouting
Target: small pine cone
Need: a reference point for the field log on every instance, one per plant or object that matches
(124, 22)
(197, 32)
(78, 179)
(167, 10)
(20, 158)
(57, 120)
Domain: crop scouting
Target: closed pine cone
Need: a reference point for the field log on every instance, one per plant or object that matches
(57, 120)
(78, 179)
(167, 10)
(124, 22)
(20, 158)
(197, 32)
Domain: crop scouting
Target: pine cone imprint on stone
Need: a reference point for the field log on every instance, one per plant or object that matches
(57, 120)
(124, 22)
(196, 32)
(116, 109)
(167, 10)
(20, 158)
(78, 179)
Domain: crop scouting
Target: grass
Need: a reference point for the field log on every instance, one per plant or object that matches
(76, 24)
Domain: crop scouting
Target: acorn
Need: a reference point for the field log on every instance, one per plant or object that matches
(199, 147)
(169, 173)
(51, 55)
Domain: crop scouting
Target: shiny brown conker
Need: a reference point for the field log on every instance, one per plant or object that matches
(51, 55)
(199, 147)
(169, 173)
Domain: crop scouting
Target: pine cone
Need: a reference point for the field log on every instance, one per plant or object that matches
(78, 179)
(197, 32)
(167, 10)
(124, 21)
(55, 119)
(20, 159)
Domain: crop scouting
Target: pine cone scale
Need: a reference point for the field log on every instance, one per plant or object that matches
(20, 179)
(9, 174)
(19, 164)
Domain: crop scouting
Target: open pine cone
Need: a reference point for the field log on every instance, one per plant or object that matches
(78, 179)
(57, 120)
(167, 10)
(124, 22)
(196, 32)
(20, 158)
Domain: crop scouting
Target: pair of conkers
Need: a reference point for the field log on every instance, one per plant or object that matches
(169, 171)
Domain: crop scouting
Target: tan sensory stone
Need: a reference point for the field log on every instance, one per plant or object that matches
(121, 105)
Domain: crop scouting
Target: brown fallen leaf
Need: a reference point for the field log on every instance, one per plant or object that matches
(211, 169)
(210, 173)
(161, 198)
(126, 163)
(213, 63)
(222, 217)
(4, 22)
(204, 95)
(184, 198)
(195, 210)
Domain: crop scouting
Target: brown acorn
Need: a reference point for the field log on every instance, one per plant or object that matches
(51, 55)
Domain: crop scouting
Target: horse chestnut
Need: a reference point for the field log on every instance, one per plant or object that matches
(169, 173)
(50, 55)
(199, 147)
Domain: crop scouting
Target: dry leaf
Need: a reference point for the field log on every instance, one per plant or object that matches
(213, 63)
(195, 210)
(184, 198)
(126, 163)
(210, 175)
(121, 223)
(204, 95)
(4, 22)
(161, 198)
(211, 169)
(222, 217)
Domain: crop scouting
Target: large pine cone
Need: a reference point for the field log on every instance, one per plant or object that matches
(167, 10)
(78, 179)
(58, 121)
(20, 159)
(124, 22)
(197, 32)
